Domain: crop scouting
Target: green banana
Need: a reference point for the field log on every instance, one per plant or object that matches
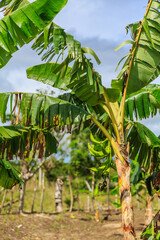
(97, 154)
(96, 141)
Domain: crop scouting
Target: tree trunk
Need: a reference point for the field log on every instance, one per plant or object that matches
(58, 196)
(93, 185)
(3, 200)
(34, 193)
(96, 212)
(40, 175)
(11, 202)
(149, 210)
(22, 194)
(42, 193)
(24, 169)
(71, 194)
(125, 194)
(1, 190)
(158, 202)
(77, 194)
(108, 183)
(88, 203)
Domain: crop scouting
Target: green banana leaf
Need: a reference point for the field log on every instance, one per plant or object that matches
(24, 24)
(54, 40)
(136, 174)
(52, 74)
(152, 183)
(40, 110)
(145, 52)
(143, 143)
(84, 81)
(20, 141)
(9, 6)
(144, 103)
(8, 175)
(80, 78)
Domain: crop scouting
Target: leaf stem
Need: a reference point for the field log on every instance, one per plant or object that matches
(122, 105)
(108, 109)
(115, 146)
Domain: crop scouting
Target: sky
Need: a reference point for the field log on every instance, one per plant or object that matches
(99, 24)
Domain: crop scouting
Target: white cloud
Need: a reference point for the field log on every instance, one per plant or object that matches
(14, 73)
(105, 19)
(18, 78)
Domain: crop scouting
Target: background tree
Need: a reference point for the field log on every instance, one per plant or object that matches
(81, 161)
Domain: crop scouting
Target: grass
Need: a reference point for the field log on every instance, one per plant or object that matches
(49, 202)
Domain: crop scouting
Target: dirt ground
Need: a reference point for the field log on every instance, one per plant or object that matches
(75, 226)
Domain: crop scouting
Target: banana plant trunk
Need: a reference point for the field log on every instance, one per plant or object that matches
(149, 210)
(123, 171)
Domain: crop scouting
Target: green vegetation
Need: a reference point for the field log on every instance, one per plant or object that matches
(110, 113)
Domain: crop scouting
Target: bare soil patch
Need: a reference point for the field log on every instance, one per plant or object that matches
(66, 226)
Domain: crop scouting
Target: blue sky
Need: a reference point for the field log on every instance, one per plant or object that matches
(105, 19)
(99, 24)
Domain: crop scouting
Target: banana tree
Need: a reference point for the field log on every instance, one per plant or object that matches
(140, 68)
(16, 143)
(23, 21)
(26, 145)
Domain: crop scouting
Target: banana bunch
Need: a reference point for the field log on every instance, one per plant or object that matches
(99, 148)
